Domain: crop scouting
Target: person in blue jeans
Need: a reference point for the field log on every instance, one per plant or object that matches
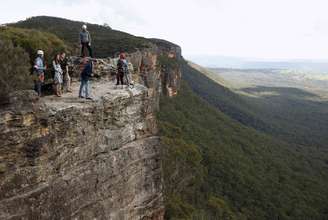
(85, 77)
(39, 69)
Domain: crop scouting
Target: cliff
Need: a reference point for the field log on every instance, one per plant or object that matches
(67, 158)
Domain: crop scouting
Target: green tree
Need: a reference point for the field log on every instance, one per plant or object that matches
(14, 69)
(33, 40)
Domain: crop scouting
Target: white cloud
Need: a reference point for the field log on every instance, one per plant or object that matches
(252, 28)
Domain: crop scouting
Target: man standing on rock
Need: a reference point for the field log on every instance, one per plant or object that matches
(85, 39)
(121, 68)
(85, 77)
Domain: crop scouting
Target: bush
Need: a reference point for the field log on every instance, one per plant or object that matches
(32, 40)
(14, 69)
(167, 62)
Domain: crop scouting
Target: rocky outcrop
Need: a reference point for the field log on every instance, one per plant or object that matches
(69, 158)
(145, 68)
(72, 159)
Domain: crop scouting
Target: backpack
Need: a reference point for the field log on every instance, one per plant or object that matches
(120, 66)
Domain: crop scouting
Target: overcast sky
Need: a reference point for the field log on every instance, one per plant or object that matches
(280, 29)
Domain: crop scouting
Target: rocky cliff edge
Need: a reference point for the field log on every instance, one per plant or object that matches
(71, 158)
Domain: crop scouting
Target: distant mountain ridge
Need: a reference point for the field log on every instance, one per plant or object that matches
(253, 63)
(288, 113)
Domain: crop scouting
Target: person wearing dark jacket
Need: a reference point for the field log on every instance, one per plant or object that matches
(85, 39)
(85, 76)
(64, 66)
(122, 69)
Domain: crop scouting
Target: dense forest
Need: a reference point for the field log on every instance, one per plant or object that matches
(217, 168)
(293, 114)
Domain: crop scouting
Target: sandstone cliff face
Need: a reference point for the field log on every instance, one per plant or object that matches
(67, 158)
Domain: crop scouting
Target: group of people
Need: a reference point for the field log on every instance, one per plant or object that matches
(61, 76)
(61, 73)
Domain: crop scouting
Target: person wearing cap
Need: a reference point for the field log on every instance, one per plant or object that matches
(39, 69)
(85, 39)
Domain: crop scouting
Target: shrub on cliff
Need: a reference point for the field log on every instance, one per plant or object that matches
(14, 69)
(167, 62)
(32, 40)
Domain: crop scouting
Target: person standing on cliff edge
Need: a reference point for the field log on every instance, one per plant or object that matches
(64, 66)
(85, 39)
(85, 76)
(123, 71)
(121, 68)
(58, 77)
(39, 69)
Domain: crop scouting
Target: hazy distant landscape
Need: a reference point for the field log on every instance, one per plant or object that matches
(239, 73)
(316, 82)
(217, 61)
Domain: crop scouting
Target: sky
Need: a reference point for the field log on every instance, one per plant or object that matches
(265, 29)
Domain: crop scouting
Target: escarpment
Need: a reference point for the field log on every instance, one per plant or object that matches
(70, 158)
